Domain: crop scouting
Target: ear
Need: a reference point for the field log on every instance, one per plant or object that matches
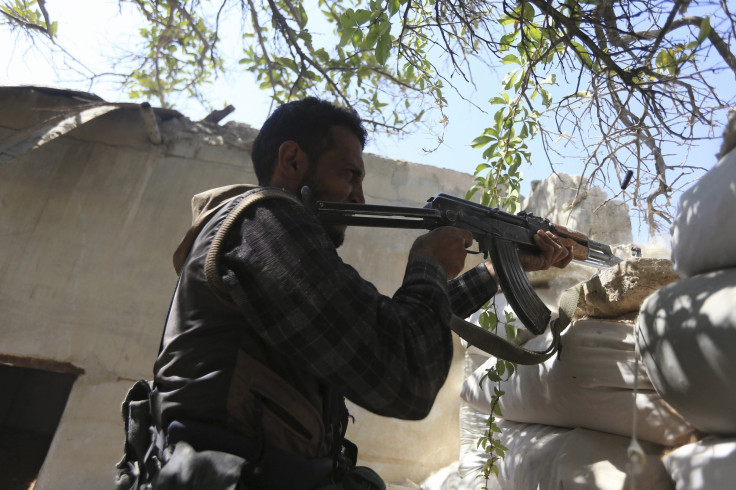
(291, 166)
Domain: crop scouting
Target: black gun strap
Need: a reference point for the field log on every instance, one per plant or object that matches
(496, 346)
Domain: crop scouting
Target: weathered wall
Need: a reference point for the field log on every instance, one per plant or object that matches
(89, 223)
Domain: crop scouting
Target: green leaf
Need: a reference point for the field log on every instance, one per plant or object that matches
(510, 58)
(347, 35)
(666, 61)
(361, 16)
(528, 12)
(704, 29)
(534, 33)
(546, 98)
(481, 141)
(506, 19)
(357, 39)
(302, 18)
(384, 26)
(582, 54)
(508, 80)
(371, 38)
(347, 19)
(550, 80)
(490, 151)
(393, 6)
(322, 55)
(508, 39)
(383, 48)
(481, 167)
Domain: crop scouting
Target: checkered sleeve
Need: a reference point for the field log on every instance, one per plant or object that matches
(390, 355)
(469, 292)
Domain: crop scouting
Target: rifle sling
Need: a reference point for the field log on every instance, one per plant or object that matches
(496, 346)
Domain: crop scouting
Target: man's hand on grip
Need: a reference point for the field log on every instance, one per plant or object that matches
(446, 245)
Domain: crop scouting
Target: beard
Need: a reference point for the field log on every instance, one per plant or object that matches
(336, 233)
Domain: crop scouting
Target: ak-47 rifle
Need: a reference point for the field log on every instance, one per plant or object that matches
(499, 234)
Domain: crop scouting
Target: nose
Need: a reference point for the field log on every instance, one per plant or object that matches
(356, 196)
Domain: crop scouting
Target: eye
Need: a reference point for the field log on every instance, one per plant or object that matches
(358, 173)
(353, 173)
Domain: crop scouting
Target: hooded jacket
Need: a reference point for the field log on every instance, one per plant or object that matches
(268, 329)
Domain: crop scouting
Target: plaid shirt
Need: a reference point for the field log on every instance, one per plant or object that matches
(388, 355)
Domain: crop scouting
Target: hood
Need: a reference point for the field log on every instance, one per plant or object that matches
(204, 205)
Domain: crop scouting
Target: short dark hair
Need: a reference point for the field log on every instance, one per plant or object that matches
(307, 122)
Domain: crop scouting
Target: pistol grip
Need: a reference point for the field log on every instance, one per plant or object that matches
(532, 312)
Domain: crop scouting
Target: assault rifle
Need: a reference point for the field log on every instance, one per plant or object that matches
(497, 232)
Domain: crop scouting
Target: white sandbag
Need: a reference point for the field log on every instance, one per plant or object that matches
(542, 457)
(688, 345)
(449, 478)
(465, 474)
(704, 231)
(709, 464)
(591, 386)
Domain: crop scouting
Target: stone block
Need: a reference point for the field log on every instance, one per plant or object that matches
(621, 289)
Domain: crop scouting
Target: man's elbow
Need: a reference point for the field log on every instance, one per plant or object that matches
(421, 413)
(412, 407)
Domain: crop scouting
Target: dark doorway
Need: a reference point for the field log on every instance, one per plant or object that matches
(31, 404)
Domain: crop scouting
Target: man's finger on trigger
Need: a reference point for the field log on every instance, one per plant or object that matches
(541, 239)
(467, 237)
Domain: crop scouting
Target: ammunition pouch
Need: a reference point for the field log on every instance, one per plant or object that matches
(193, 455)
(143, 442)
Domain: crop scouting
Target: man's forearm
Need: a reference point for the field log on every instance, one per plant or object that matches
(470, 291)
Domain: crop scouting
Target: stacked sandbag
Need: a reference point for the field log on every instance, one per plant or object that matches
(688, 330)
(706, 464)
(466, 474)
(546, 457)
(570, 419)
(563, 199)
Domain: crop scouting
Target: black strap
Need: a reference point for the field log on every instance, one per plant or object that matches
(496, 346)
(503, 349)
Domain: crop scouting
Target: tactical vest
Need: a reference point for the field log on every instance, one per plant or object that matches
(213, 369)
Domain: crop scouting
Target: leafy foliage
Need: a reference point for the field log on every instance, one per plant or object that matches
(501, 371)
(28, 15)
(618, 83)
(179, 51)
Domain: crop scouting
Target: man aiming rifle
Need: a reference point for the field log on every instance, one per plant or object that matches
(269, 331)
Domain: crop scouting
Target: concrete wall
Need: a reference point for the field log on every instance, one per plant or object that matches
(89, 223)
